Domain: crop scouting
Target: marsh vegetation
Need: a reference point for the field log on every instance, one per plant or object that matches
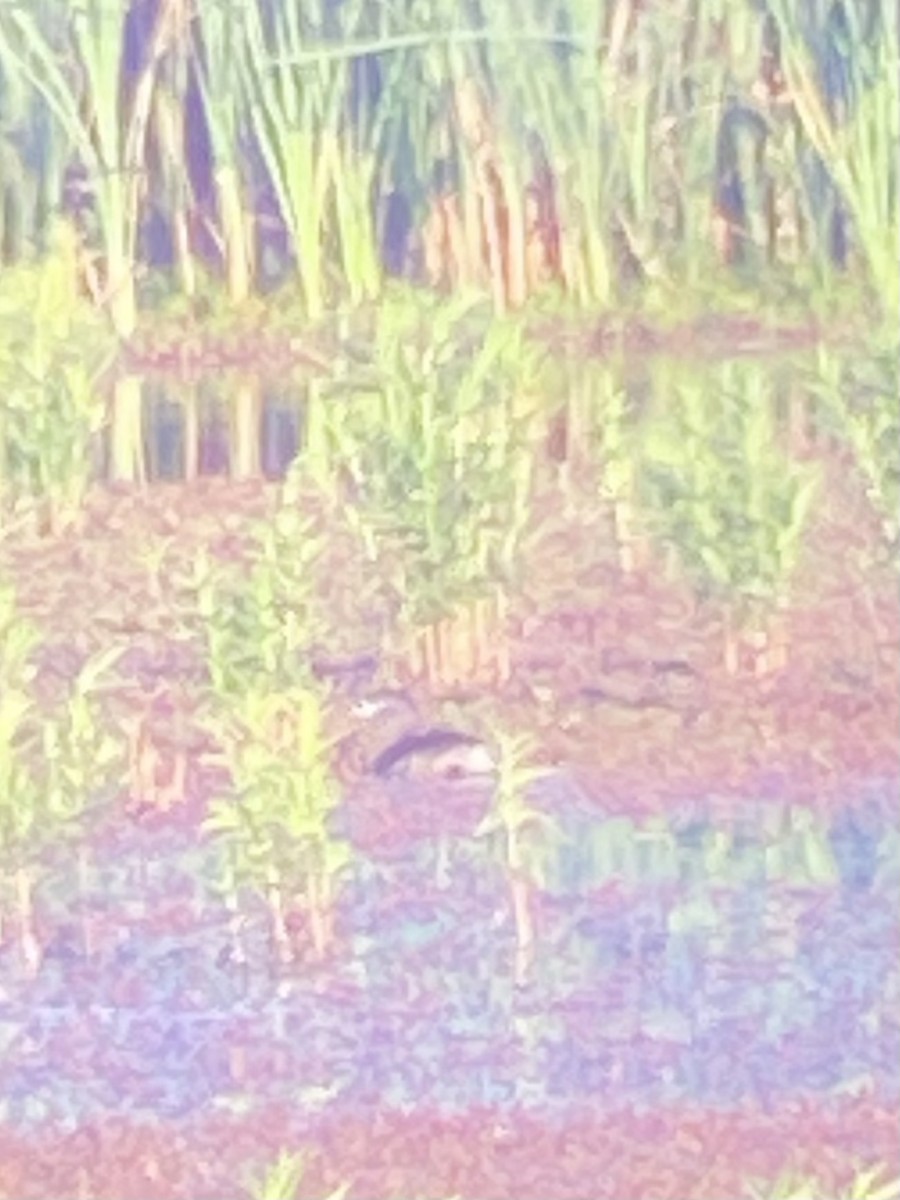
(448, 564)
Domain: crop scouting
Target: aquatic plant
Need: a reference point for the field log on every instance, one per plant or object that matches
(282, 1180)
(443, 489)
(870, 1184)
(731, 505)
(859, 394)
(516, 820)
(274, 830)
(20, 792)
(52, 354)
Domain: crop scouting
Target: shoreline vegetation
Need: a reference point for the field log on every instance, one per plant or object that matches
(218, 154)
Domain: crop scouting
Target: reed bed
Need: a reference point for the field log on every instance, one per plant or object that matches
(581, 150)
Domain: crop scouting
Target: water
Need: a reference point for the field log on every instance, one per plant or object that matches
(190, 432)
(757, 968)
(193, 428)
(696, 991)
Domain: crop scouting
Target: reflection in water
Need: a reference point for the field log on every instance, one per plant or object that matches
(214, 457)
(854, 837)
(281, 431)
(169, 432)
(164, 432)
(125, 458)
(713, 994)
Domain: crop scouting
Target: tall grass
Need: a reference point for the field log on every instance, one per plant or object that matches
(842, 63)
(73, 56)
(587, 148)
(215, 50)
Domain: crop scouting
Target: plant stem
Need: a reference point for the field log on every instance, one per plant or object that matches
(31, 950)
(87, 924)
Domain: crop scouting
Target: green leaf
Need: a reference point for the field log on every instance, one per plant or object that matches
(223, 818)
(864, 1186)
(803, 500)
(662, 447)
(95, 667)
(489, 824)
(720, 571)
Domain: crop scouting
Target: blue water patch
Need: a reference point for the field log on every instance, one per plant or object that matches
(705, 984)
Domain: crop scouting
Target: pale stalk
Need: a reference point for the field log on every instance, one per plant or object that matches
(318, 915)
(223, 37)
(87, 924)
(168, 122)
(295, 116)
(245, 423)
(191, 433)
(860, 152)
(235, 236)
(280, 935)
(521, 893)
(355, 173)
(29, 944)
(127, 456)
